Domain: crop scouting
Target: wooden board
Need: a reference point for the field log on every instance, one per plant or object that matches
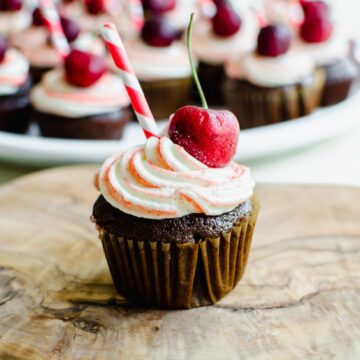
(299, 299)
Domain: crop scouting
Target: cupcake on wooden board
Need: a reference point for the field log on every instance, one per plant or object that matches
(14, 89)
(329, 49)
(35, 43)
(81, 100)
(161, 64)
(14, 17)
(273, 83)
(175, 215)
(227, 35)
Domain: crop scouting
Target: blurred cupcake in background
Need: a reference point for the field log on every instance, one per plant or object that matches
(161, 64)
(14, 17)
(273, 83)
(227, 35)
(14, 89)
(35, 43)
(81, 100)
(329, 49)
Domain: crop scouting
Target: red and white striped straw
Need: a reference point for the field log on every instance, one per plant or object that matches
(137, 13)
(52, 21)
(132, 85)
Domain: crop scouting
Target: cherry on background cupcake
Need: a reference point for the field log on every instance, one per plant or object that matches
(273, 83)
(330, 49)
(227, 34)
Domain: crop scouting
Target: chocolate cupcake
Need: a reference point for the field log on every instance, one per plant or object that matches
(83, 101)
(273, 84)
(161, 64)
(14, 90)
(329, 49)
(228, 35)
(176, 238)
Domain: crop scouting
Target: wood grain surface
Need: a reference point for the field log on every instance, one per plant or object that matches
(299, 299)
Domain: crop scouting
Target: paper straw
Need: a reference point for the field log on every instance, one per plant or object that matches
(52, 21)
(132, 85)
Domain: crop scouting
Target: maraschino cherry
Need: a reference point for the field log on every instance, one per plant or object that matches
(95, 7)
(211, 136)
(158, 32)
(314, 9)
(273, 40)
(37, 18)
(226, 21)
(4, 44)
(83, 69)
(70, 27)
(317, 26)
(159, 6)
(10, 5)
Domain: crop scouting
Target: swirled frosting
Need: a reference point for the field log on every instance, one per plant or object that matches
(152, 63)
(212, 49)
(14, 71)
(161, 180)
(328, 52)
(14, 21)
(54, 95)
(290, 68)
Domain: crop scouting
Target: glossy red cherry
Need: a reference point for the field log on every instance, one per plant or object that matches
(37, 18)
(71, 28)
(211, 136)
(10, 5)
(273, 40)
(95, 7)
(315, 9)
(316, 30)
(159, 6)
(4, 44)
(84, 69)
(158, 33)
(226, 21)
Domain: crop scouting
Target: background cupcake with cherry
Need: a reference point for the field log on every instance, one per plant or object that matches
(272, 83)
(15, 85)
(226, 35)
(329, 47)
(160, 62)
(81, 99)
(175, 211)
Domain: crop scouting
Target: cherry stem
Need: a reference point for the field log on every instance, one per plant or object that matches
(193, 69)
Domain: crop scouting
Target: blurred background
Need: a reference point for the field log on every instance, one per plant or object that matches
(321, 146)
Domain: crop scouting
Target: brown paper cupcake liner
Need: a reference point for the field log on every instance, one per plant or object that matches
(180, 275)
(258, 106)
(166, 96)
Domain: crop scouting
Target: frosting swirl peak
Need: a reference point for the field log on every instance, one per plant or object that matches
(161, 180)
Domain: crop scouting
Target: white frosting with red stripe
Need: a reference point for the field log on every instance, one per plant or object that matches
(54, 95)
(288, 69)
(14, 21)
(155, 63)
(14, 71)
(161, 180)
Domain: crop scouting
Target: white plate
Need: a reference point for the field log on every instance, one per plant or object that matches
(254, 143)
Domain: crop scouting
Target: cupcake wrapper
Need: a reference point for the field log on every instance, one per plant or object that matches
(180, 275)
(166, 96)
(257, 106)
